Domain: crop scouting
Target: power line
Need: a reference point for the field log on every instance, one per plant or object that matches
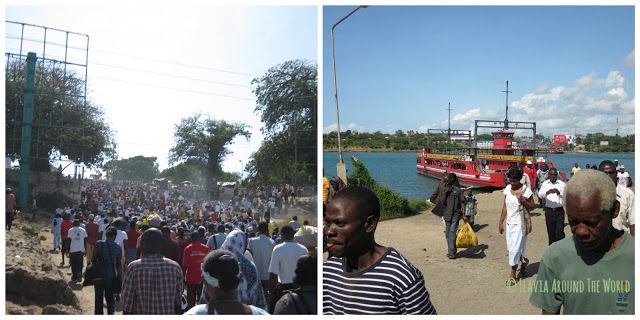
(174, 63)
(134, 57)
(164, 74)
(175, 89)
(171, 75)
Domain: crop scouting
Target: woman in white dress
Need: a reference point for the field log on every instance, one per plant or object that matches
(518, 201)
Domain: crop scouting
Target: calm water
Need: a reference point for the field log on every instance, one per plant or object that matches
(397, 170)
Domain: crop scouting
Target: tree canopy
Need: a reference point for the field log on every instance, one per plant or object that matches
(137, 168)
(205, 141)
(286, 100)
(63, 124)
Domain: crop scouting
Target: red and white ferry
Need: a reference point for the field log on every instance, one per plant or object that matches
(476, 166)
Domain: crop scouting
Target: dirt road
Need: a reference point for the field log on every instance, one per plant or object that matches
(474, 283)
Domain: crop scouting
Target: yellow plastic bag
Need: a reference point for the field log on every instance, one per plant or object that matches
(466, 237)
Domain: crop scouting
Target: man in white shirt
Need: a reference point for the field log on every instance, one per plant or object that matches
(551, 190)
(216, 240)
(623, 177)
(261, 248)
(76, 250)
(120, 240)
(294, 224)
(282, 267)
(626, 218)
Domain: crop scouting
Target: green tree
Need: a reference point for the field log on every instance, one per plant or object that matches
(286, 100)
(137, 168)
(194, 170)
(63, 124)
(205, 141)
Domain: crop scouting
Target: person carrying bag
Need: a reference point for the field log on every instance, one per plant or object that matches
(112, 283)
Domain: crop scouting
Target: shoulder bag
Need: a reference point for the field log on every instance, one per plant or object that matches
(96, 272)
(116, 282)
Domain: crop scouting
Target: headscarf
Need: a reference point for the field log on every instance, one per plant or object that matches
(250, 288)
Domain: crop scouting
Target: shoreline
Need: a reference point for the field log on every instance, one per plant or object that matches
(389, 150)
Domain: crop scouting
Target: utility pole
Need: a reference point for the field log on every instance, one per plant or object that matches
(27, 119)
(449, 128)
(506, 113)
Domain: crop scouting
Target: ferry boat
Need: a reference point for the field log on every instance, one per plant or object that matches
(476, 166)
(482, 166)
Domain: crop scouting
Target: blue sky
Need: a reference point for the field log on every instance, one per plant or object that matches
(569, 68)
(129, 46)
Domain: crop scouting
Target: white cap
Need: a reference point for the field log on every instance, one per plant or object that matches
(529, 162)
(622, 166)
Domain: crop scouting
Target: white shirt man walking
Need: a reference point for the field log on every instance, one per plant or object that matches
(76, 250)
(551, 190)
(282, 267)
(261, 248)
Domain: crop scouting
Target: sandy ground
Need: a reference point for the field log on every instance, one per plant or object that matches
(474, 283)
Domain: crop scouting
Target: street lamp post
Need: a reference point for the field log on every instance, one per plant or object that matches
(340, 167)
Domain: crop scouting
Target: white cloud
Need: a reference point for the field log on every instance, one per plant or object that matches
(589, 81)
(591, 105)
(469, 115)
(630, 60)
(614, 79)
(351, 126)
(628, 106)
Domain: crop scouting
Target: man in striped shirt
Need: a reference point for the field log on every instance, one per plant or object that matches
(363, 277)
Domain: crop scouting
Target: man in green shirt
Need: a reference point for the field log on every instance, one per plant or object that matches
(591, 272)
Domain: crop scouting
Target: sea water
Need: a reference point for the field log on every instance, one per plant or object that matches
(397, 170)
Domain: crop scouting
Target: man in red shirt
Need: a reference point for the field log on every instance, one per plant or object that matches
(531, 172)
(64, 231)
(92, 230)
(192, 258)
(132, 242)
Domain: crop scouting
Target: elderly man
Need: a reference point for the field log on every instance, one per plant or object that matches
(153, 283)
(363, 277)
(591, 272)
(551, 191)
(626, 219)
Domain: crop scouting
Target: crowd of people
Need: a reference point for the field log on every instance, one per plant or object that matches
(166, 252)
(364, 277)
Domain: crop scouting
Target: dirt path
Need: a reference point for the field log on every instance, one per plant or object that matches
(474, 283)
(86, 295)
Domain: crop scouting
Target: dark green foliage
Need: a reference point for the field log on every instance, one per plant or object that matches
(286, 99)
(412, 140)
(196, 172)
(137, 168)
(205, 141)
(62, 123)
(417, 205)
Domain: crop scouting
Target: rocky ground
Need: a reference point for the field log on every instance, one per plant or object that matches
(34, 283)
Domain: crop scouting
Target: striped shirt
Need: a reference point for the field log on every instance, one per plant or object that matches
(152, 285)
(392, 285)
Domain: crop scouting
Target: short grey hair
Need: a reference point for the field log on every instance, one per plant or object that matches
(587, 182)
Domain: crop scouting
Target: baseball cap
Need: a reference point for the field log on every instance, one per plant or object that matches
(529, 162)
(622, 166)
